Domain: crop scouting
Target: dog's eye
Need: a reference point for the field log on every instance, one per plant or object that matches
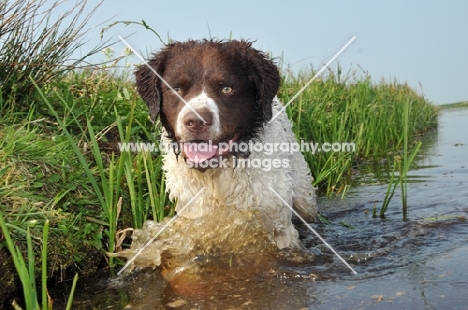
(226, 90)
(177, 89)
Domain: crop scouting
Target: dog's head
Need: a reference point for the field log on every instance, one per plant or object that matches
(228, 88)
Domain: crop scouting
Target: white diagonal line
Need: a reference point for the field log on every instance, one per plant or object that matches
(313, 230)
(159, 232)
(161, 78)
(312, 79)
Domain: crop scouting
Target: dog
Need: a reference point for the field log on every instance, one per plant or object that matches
(216, 102)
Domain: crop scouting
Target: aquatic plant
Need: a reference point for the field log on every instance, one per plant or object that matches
(401, 164)
(27, 268)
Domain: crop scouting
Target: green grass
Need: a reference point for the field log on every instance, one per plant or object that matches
(353, 109)
(110, 187)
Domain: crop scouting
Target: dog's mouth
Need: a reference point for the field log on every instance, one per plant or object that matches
(204, 154)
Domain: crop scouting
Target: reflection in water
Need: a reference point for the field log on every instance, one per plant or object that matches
(416, 264)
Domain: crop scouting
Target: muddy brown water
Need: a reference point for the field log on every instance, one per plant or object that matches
(418, 264)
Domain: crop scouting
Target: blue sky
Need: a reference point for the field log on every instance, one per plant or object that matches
(424, 43)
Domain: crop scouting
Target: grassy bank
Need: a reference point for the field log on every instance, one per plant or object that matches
(461, 104)
(353, 109)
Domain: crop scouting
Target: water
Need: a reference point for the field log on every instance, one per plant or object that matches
(419, 264)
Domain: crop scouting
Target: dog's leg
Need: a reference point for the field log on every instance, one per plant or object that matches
(304, 200)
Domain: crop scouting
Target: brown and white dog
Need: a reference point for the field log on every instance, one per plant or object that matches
(229, 89)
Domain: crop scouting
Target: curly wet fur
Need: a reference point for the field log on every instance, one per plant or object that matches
(248, 187)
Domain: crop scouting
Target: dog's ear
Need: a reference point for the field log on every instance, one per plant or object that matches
(148, 84)
(266, 78)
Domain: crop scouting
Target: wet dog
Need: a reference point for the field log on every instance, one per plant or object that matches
(217, 105)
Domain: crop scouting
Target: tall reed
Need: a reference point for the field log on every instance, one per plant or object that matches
(407, 161)
(401, 164)
(144, 176)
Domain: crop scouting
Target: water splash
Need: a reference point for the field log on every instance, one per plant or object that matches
(227, 239)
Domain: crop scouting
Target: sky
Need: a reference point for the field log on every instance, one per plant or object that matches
(422, 43)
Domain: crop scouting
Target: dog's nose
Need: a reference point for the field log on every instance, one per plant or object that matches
(195, 124)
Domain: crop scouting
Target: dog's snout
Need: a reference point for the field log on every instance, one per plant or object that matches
(194, 123)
